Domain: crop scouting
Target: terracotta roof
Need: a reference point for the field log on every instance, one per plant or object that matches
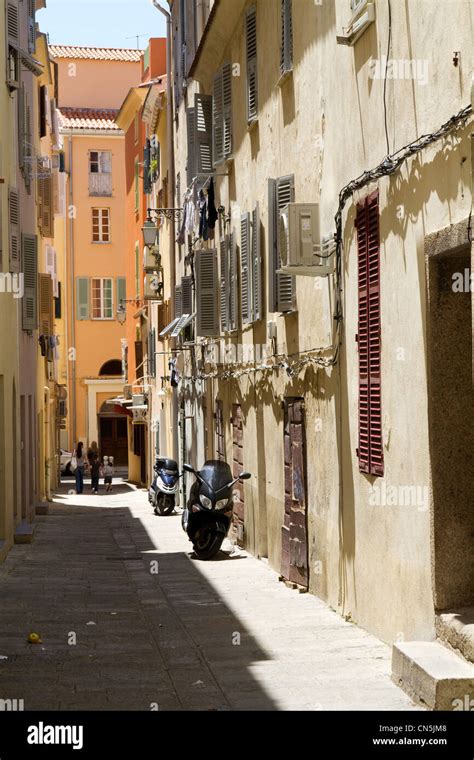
(88, 118)
(96, 54)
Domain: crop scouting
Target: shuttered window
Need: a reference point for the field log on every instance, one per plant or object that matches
(282, 292)
(178, 301)
(203, 133)
(229, 284)
(121, 290)
(224, 286)
(245, 269)
(13, 41)
(286, 50)
(187, 294)
(222, 115)
(146, 168)
(256, 261)
(206, 293)
(14, 230)
(370, 449)
(46, 319)
(31, 26)
(29, 244)
(251, 267)
(102, 298)
(191, 130)
(42, 110)
(46, 205)
(82, 298)
(151, 353)
(252, 76)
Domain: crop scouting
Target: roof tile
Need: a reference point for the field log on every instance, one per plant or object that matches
(96, 54)
(88, 118)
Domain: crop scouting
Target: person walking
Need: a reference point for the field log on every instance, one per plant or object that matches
(94, 464)
(108, 473)
(80, 467)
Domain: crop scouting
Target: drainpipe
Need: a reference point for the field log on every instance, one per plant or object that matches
(47, 448)
(73, 296)
(172, 182)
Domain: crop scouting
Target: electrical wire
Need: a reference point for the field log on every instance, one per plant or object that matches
(385, 77)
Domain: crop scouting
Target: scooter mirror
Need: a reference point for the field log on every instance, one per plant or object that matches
(188, 468)
(245, 475)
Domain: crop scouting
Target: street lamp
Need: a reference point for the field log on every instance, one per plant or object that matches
(150, 232)
(121, 313)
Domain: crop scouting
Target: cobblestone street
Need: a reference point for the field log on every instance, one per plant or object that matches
(117, 635)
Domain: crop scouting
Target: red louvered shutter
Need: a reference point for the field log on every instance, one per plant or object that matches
(363, 340)
(369, 338)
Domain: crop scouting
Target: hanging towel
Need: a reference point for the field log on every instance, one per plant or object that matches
(212, 214)
(203, 228)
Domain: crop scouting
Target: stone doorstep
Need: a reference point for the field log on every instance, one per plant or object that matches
(456, 629)
(24, 533)
(42, 508)
(432, 675)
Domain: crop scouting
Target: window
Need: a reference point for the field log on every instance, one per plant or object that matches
(100, 172)
(370, 451)
(282, 292)
(207, 317)
(229, 284)
(286, 50)
(222, 115)
(13, 42)
(101, 225)
(112, 368)
(251, 267)
(102, 298)
(29, 244)
(252, 76)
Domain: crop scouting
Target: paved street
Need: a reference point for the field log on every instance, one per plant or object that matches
(118, 635)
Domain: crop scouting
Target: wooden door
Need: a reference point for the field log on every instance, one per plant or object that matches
(113, 439)
(237, 467)
(294, 558)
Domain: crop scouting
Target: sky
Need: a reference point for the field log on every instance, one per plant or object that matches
(102, 23)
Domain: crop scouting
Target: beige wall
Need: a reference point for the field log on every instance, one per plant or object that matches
(325, 125)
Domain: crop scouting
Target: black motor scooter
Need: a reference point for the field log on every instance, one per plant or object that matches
(208, 513)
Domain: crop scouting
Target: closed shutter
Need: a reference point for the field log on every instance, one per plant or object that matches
(121, 290)
(46, 326)
(281, 286)
(29, 244)
(187, 294)
(42, 110)
(31, 26)
(13, 24)
(286, 51)
(252, 77)
(224, 286)
(190, 33)
(257, 306)
(227, 105)
(47, 207)
(233, 284)
(191, 128)
(146, 168)
(245, 268)
(14, 230)
(82, 298)
(203, 115)
(206, 293)
(21, 102)
(151, 353)
(369, 338)
(178, 302)
(217, 120)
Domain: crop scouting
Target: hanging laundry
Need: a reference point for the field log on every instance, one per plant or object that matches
(190, 216)
(42, 341)
(212, 214)
(203, 226)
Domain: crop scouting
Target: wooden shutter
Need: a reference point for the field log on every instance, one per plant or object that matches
(286, 51)
(178, 301)
(13, 24)
(252, 76)
(151, 353)
(257, 299)
(370, 449)
(233, 283)
(14, 230)
(190, 33)
(31, 26)
(42, 110)
(227, 108)
(218, 120)
(245, 269)
(21, 103)
(46, 325)
(187, 294)
(47, 207)
(224, 285)
(206, 293)
(121, 285)
(29, 244)
(191, 129)
(146, 168)
(82, 298)
(281, 286)
(203, 115)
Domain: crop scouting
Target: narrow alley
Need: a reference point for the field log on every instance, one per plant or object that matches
(128, 620)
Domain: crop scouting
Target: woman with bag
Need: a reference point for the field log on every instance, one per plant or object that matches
(78, 464)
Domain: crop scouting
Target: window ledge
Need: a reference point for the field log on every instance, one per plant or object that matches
(360, 21)
(252, 124)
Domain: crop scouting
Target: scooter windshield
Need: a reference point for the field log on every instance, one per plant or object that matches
(216, 474)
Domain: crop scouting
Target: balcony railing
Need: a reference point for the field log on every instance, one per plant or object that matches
(100, 184)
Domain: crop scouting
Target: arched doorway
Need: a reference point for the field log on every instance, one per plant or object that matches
(112, 368)
(113, 433)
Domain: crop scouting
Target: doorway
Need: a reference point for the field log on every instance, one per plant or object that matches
(113, 439)
(294, 534)
(237, 421)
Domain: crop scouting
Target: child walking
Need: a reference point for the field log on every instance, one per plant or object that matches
(108, 473)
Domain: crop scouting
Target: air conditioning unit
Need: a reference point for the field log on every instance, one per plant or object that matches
(153, 287)
(302, 252)
(138, 399)
(151, 258)
(127, 391)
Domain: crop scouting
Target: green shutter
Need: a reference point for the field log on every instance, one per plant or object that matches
(82, 298)
(121, 290)
(137, 186)
(30, 270)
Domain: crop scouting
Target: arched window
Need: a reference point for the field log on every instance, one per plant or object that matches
(112, 368)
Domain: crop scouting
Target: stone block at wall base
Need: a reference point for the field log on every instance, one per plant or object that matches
(41, 508)
(24, 533)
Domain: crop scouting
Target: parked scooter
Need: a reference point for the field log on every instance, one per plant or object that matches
(208, 513)
(163, 490)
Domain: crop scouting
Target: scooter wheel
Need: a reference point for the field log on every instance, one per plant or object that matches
(207, 544)
(165, 506)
